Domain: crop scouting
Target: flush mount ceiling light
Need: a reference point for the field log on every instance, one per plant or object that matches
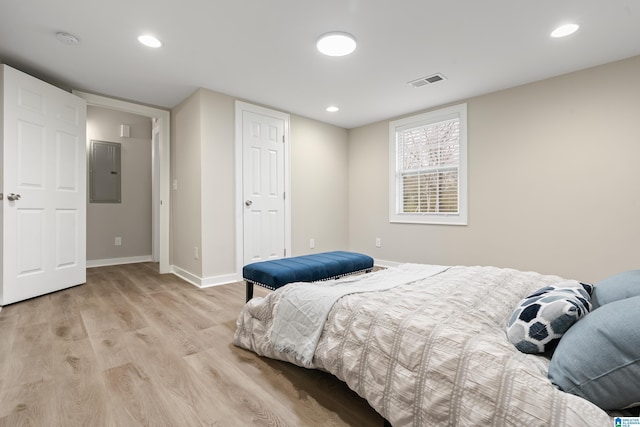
(150, 41)
(332, 109)
(67, 38)
(336, 43)
(564, 30)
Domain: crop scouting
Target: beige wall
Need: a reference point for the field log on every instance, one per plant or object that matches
(202, 206)
(203, 210)
(131, 219)
(186, 152)
(218, 184)
(553, 176)
(319, 186)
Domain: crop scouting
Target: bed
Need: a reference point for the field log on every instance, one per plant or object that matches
(426, 349)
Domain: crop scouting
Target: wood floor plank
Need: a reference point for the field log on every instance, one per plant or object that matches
(66, 323)
(28, 405)
(307, 391)
(72, 398)
(31, 358)
(133, 348)
(33, 311)
(7, 336)
(176, 379)
(176, 329)
(140, 397)
(205, 304)
(111, 348)
(250, 406)
(174, 303)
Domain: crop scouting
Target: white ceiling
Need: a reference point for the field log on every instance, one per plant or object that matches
(264, 50)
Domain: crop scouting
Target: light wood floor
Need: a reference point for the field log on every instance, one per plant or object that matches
(132, 347)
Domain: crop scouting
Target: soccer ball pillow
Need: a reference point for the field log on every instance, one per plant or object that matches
(540, 320)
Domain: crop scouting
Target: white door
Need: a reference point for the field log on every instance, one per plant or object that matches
(44, 188)
(263, 158)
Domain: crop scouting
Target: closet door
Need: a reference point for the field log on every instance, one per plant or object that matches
(43, 186)
(264, 163)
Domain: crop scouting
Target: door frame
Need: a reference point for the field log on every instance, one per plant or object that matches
(164, 125)
(240, 108)
(156, 158)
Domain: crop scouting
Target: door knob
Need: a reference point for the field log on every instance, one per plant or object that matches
(13, 197)
(248, 203)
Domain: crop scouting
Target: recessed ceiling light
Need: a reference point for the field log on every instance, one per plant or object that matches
(565, 30)
(336, 43)
(332, 109)
(150, 41)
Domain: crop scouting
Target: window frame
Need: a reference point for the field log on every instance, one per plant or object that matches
(395, 177)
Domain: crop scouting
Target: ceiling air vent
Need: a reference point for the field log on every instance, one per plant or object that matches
(423, 81)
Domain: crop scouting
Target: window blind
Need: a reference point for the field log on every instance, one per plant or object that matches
(428, 162)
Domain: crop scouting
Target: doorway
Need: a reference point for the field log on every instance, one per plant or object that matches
(161, 144)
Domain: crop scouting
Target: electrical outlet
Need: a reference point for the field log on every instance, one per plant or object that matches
(195, 252)
(118, 241)
(378, 242)
(312, 243)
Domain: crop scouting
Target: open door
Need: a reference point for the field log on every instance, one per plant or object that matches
(43, 186)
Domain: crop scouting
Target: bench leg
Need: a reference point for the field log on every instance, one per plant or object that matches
(249, 292)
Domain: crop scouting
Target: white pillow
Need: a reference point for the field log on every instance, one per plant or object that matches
(540, 319)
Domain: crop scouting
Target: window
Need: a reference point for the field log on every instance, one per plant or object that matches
(428, 167)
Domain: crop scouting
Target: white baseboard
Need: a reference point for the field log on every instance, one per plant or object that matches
(205, 282)
(117, 261)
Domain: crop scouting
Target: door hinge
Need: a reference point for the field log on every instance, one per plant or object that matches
(285, 252)
(283, 139)
(284, 196)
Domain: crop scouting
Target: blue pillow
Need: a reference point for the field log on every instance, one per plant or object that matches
(599, 357)
(619, 286)
(540, 319)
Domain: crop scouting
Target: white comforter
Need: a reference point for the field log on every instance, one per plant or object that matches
(302, 310)
(434, 352)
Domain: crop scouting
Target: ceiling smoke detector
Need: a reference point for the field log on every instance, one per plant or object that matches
(67, 38)
(423, 81)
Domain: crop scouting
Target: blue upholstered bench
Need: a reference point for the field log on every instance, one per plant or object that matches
(306, 268)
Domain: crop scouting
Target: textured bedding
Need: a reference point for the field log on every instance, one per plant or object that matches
(302, 310)
(434, 352)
